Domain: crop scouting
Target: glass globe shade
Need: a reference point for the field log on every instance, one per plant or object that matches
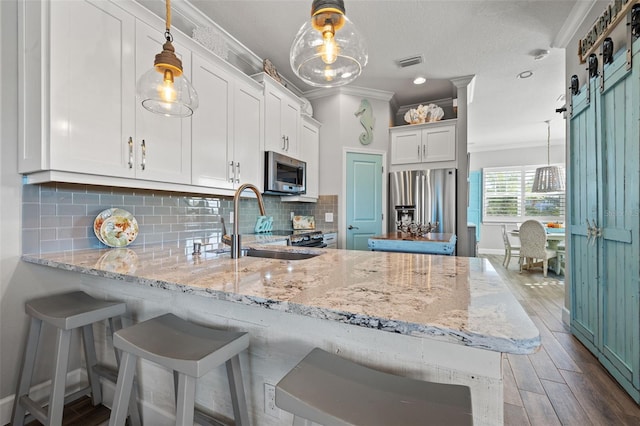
(309, 58)
(161, 96)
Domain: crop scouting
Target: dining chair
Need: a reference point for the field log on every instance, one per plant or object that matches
(533, 246)
(509, 248)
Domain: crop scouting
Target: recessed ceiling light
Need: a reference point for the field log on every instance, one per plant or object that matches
(419, 80)
(525, 74)
(539, 54)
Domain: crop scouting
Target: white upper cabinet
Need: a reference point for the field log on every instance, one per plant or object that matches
(423, 143)
(282, 117)
(79, 95)
(77, 88)
(248, 131)
(310, 153)
(227, 128)
(162, 144)
(212, 156)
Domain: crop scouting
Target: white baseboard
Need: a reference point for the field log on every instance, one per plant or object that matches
(76, 379)
(566, 316)
(490, 251)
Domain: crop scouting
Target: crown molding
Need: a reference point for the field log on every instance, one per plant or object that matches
(379, 95)
(578, 14)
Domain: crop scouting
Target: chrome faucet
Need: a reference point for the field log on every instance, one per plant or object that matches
(236, 245)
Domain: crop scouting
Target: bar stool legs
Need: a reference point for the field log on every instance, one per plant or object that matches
(190, 351)
(66, 312)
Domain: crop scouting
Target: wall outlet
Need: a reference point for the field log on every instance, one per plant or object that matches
(328, 217)
(292, 215)
(270, 400)
(231, 217)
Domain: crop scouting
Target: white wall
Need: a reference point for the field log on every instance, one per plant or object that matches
(490, 236)
(18, 281)
(341, 128)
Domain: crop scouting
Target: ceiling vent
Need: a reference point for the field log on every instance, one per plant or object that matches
(407, 62)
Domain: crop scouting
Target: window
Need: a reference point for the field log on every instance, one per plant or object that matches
(507, 196)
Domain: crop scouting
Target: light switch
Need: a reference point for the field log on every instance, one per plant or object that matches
(328, 217)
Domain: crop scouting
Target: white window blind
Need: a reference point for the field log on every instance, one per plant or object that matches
(507, 196)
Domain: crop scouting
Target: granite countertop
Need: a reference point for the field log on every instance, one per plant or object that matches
(456, 299)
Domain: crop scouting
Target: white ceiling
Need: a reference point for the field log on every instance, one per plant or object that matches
(493, 40)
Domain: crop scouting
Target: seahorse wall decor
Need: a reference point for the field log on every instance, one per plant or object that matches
(367, 120)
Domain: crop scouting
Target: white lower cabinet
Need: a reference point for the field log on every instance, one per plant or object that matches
(227, 132)
(423, 143)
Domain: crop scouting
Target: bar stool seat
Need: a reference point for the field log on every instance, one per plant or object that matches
(330, 390)
(191, 351)
(66, 312)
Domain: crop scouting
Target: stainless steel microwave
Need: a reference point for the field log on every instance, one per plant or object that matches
(284, 175)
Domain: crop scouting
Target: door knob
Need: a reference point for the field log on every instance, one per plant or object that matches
(352, 227)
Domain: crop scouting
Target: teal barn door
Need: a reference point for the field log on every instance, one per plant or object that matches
(604, 218)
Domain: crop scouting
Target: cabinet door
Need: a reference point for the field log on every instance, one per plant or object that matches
(163, 144)
(439, 144)
(583, 210)
(282, 121)
(310, 153)
(92, 88)
(247, 134)
(406, 147)
(291, 125)
(211, 133)
(619, 208)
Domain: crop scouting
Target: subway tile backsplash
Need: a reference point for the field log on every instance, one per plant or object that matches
(59, 216)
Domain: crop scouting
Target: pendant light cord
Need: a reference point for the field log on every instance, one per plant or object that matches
(548, 144)
(167, 33)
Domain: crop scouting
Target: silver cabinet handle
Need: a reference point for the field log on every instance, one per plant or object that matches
(143, 164)
(232, 171)
(352, 227)
(419, 146)
(284, 143)
(237, 172)
(130, 152)
(287, 144)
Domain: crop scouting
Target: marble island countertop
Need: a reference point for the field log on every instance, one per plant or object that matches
(455, 299)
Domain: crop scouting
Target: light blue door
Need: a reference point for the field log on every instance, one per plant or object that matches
(363, 199)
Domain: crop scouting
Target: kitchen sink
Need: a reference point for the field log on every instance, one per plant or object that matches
(281, 255)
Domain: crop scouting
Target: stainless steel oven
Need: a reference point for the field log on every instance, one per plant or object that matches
(284, 175)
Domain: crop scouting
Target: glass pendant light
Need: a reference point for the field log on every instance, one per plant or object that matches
(549, 178)
(164, 89)
(328, 50)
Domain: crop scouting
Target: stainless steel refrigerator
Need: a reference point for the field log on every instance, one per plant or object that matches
(423, 196)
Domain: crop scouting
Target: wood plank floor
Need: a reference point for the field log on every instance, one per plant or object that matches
(561, 384)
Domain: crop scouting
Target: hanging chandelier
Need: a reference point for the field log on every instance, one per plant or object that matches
(548, 178)
(328, 50)
(164, 89)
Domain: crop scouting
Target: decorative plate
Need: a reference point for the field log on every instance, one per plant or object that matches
(115, 227)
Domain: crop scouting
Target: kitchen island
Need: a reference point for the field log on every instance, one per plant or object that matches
(437, 318)
(404, 242)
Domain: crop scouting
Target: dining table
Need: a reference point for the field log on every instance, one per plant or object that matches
(554, 236)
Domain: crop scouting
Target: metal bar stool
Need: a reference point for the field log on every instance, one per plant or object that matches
(330, 390)
(66, 312)
(191, 351)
